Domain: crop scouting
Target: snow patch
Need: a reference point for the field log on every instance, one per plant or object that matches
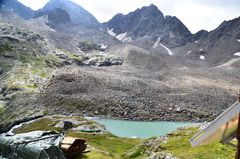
(121, 36)
(3, 6)
(189, 51)
(110, 32)
(196, 41)
(238, 40)
(166, 48)
(202, 57)
(101, 29)
(80, 50)
(103, 46)
(53, 30)
(237, 54)
(201, 49)
(156, 43)
(127, 39)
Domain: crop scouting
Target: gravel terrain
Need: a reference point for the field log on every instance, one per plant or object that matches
(136, 91)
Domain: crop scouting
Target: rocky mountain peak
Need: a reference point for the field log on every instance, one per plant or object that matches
(150, 11)
(137, 21)
(175, 25)
(149, 22)
(78, 15)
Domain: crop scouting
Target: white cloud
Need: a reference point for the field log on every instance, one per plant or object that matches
(195, 14)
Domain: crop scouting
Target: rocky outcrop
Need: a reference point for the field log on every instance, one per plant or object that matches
(90, 59)
(102, 60)
(87, 46)
(161, 155)
(64, 124)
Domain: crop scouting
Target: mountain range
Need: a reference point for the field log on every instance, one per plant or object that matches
(150, 22)
(143, 27)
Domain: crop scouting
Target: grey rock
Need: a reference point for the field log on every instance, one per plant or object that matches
(96, 112)
(161, 155)
(65, 124)
(116, 61)
(89, 128)
(102, 60)
(88, 46)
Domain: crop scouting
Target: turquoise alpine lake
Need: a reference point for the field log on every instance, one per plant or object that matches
(140, 129)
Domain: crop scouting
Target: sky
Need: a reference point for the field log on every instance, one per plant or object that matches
(195, 14)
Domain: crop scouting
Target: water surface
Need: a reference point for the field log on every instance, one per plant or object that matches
(140, 129)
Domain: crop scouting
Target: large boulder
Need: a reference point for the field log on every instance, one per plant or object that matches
(64, 125)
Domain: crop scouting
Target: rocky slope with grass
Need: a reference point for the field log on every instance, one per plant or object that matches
(53, 66)
(29, 61)
(103, 145)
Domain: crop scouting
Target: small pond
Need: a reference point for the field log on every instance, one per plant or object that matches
(140, 129)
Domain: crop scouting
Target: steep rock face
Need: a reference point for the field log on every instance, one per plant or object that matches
(223, 42)
(139, 22)
(149, 21)
(17, 7)
(63, 16)
(217, 46)
(77, 14)
(55, 17)
(226, 30)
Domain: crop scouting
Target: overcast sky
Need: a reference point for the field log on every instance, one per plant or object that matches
(195, 14)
